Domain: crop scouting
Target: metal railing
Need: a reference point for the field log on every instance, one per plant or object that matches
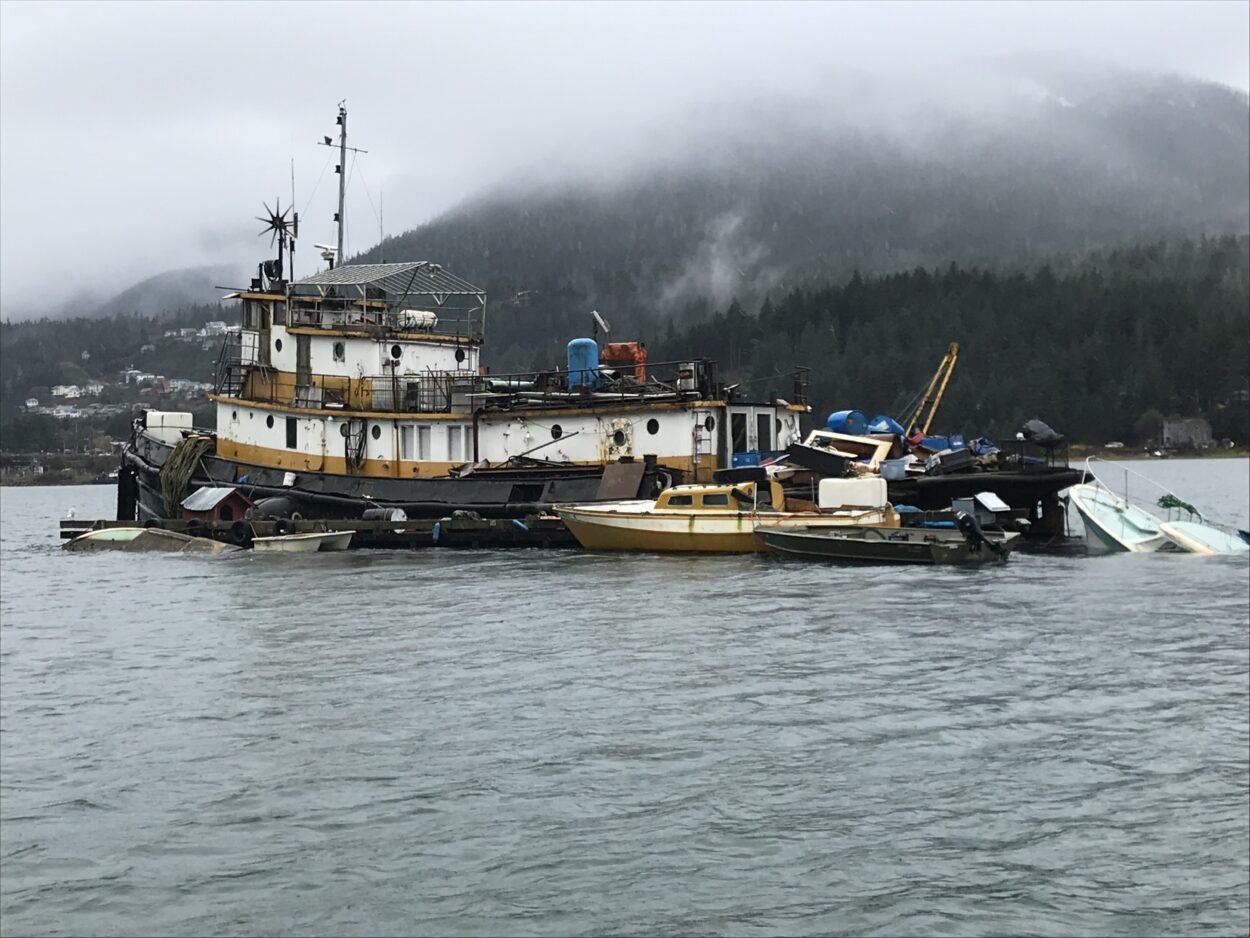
(462, 392)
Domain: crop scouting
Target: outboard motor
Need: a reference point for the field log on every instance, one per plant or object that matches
(971, 529)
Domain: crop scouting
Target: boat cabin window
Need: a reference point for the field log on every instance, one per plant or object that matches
(764, 432)
(680, 501)
(738, 432)
(405, 441)
(292, 432)
(455, 452)
(716, 500)
(251, 314)
(423, 443)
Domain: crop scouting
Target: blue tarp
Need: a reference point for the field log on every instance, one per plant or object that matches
(939, 443)
(884, 423)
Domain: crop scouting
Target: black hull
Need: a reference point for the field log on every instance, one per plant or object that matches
(492, 493)
(884, 546)
(1035, 492)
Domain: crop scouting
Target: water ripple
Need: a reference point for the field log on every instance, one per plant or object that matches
(561, 743)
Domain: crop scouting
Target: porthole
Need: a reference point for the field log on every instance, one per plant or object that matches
(556, 432)
(376, 432)
(710, 424)
(277, 345)
(396, 352)
(269, 421)
(234, 415)
(460, 355)
(340, 352)
(653, 426)
(343, 430)
(619, 437)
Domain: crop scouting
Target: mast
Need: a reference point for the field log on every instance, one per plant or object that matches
(342, 170)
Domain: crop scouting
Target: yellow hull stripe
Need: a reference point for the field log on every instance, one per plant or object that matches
(293, 461)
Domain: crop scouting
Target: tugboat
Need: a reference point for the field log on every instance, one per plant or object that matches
(361, 388)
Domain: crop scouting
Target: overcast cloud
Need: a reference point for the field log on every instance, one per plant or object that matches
(141, 137)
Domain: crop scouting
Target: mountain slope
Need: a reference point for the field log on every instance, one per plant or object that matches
(1025, 166)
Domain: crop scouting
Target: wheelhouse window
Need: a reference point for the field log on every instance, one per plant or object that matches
(764, 432)
(251, 314)
(680, 501)
(738, 432)
(716, 500)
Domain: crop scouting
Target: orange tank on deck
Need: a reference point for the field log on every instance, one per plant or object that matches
(626, 354)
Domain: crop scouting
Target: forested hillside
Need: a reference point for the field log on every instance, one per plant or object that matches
(1093, 350)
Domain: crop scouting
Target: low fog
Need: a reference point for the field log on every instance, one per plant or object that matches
(141, 138)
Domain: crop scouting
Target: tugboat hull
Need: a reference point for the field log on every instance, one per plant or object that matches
(492, 493)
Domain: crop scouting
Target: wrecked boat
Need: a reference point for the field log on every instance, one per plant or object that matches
(138, 540)
(1128, 520)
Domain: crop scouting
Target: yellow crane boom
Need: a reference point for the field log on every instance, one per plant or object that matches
(919, 419)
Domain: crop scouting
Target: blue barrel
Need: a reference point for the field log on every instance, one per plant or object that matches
(583, 363)
(847, 421)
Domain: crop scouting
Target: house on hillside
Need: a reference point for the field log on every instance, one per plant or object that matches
(1186, 433)
(32, 403)
(66, 390)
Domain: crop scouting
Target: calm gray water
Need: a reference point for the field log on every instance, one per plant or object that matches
(558, 743)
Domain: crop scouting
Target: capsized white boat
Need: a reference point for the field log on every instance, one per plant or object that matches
(304, 543)
(1115, 523)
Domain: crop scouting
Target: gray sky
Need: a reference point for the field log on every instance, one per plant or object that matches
(141, 137)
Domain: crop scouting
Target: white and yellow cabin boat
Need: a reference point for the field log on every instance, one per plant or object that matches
(721, 518)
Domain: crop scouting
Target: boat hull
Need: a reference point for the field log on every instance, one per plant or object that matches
(303, 543)
(1034, 491)
(872, 545)
(729, 533)
(1203, 539)
(492, 493)
(634, 526)
(1113, 525)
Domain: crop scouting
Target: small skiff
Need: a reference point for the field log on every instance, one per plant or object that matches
(303, 543)
(856, 544)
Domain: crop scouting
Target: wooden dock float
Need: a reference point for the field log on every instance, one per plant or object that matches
(465, 532)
